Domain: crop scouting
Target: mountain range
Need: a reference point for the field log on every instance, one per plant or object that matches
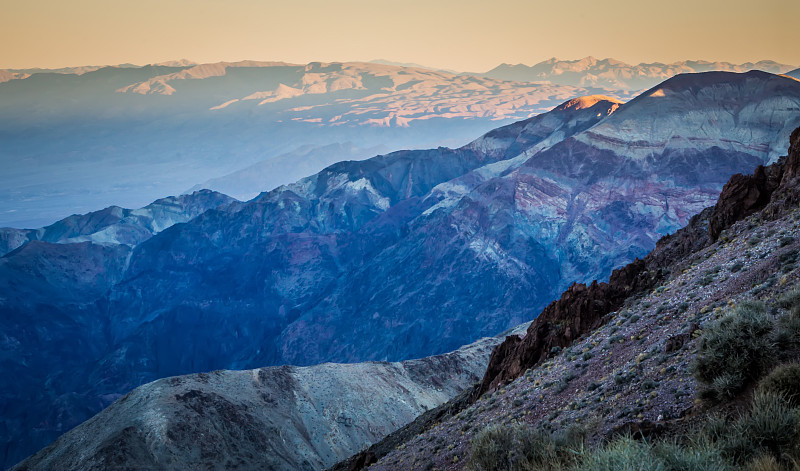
(115, 225)
(618, 75)
(400, 256)
(604, 361)
(126, 135)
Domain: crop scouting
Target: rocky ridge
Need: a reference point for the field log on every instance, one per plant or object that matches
(115, 225)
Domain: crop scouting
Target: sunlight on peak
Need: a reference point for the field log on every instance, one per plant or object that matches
(658, 93)
(588, 101)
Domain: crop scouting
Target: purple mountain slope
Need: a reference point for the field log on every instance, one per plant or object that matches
(411, 253)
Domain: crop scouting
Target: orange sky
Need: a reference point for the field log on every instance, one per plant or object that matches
(465, 35)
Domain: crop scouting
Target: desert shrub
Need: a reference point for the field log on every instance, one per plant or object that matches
(791, 301)
(764, 463)
(706, 279)
(787, 333)
(698, 455)
(734, 350)
(521, 448)
(784, 381)
(493, 449)
(772, 427)
(622, 454)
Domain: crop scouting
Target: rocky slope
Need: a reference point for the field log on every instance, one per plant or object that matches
(115, 225)
(127, 135)
(615, 357)
(611, 73)
(271, 418)
(416, 252)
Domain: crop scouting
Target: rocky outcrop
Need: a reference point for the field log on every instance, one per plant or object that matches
(581, 309)
(742, 196)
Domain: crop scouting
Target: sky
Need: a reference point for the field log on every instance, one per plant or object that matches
(462, 35)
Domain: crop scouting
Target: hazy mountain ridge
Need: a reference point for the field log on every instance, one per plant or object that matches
(115, 225)
(397, 95)
(287, 168)
(61, 132)
(611, 73)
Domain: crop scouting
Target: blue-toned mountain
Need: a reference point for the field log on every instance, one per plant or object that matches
(115, 225)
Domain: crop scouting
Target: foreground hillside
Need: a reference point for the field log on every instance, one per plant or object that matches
(271, 418)
(671, 342)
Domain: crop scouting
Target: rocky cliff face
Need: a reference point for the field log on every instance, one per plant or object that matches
(300, 418)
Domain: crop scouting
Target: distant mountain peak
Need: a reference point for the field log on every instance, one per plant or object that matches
(176, 63)
(584, 102)
(614, 74)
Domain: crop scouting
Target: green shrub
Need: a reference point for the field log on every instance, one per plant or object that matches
(622, 454)
(784, 381)
(772, 427)
(734, 350)
(791, 301)
(521, 448)
(493, 449)
(698, 455)
(787, 333)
